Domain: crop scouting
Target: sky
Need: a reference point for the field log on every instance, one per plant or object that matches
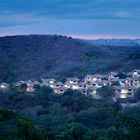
(88, 19)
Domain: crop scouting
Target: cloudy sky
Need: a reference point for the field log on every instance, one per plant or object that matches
(89, 19)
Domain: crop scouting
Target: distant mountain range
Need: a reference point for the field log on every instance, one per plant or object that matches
(115, 42)
(53, 56)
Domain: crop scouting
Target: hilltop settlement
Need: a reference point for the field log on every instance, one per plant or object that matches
(97, 107)
(123, 84)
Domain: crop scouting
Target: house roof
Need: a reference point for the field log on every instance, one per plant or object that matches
(72, 79)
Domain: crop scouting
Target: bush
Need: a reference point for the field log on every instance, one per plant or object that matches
(137, 94)
(13, 126)
(106, 92)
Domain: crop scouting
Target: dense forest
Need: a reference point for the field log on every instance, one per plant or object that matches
(72, 116)
(53, 56)
(45, 115)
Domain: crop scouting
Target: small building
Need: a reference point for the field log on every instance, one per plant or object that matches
(129, 81)
(30, 86)
(112, 76)
(136, 82)
(37, 83)
(58, 85)
(88, 84)
(82, 85)
(48, 82)
(93, 78)
(4, 86)
(105, 82)
(124, 92)
(98, 84)
(71, 86)
(59, 91)
(72, 83)
(93, 93)
(75, 86)
(122, 82)
(84, 91)
(72, 80)
(136, 74)
(18, 84)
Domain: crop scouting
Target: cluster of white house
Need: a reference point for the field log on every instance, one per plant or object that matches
(123, 87)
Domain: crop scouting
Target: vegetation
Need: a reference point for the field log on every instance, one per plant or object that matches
(135, 55)
(137, 94)
(71, 116)
(106, 92)
(122, 75)
(52, 56)
(15, 127)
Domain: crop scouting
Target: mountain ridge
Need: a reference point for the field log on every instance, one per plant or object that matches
(115, 42)
(55, 56)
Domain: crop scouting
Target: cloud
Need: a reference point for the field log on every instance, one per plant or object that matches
(70, 17)
(17, 19)
(73, 9)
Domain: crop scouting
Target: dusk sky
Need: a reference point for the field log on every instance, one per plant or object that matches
(90, 19)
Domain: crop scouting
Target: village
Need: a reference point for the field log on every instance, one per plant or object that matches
(123, 87)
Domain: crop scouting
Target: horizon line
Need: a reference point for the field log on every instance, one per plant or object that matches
(78, 36)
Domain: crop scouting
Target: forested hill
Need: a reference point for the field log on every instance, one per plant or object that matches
(52, 56)
(115, 42)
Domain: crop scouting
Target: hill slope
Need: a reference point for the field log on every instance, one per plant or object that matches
(33, 56)
(115, 42)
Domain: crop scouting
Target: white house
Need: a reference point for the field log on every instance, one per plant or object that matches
(72, 83)
(112, 76)
(48, 82)
(129, 81)
(124, 92)
(93, 93)
(73, 80)
(4, 86)
(58, 85)
(122, 82)
(136, 82)
(30, 86)
(136, 73)
(59, 90)
(37, 83)
(18, 84)
(93, 78)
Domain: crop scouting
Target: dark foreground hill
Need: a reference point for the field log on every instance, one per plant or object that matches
(71, 116)
(52, 56)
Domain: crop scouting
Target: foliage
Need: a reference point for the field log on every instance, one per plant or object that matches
(122, 75)
(106, 92)
(70, 116)
(135, 55)
(75, 101)
(34, 56)
(137, 93)
(13, 126)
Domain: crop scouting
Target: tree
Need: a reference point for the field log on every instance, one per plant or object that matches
(137, 94)
(13, 126)
(74, 101)
(37, 87)
(23, 86)
(44, 96)
(22, 89)
(106, 92)
(75, 131)
(122, 75)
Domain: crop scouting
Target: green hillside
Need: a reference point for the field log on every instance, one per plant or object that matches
(52, 56)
